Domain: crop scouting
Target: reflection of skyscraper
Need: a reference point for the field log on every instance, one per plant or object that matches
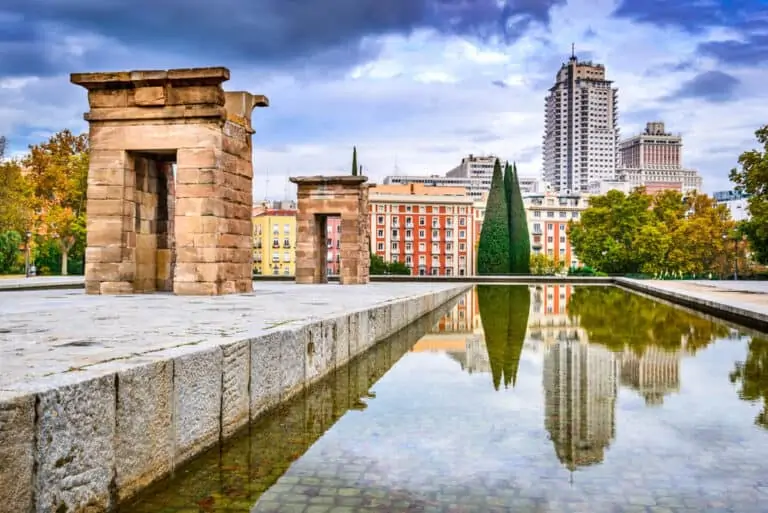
(580, 386)
(477, 355)
(549, 321)
(654, 374)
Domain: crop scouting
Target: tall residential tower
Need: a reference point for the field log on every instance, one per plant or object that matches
(581, 132)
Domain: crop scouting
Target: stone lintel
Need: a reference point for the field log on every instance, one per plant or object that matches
(145, 78)
(142, 114)
(344, 180)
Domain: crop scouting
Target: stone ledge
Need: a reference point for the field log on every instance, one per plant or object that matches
(741, 314)
(142, 78)
(146, 414)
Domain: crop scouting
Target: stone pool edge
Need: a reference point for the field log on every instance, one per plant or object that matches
(743, 316)
(90, 439)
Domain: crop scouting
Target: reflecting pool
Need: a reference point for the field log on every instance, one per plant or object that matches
(549, 398)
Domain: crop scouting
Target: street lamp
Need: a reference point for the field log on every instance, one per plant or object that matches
(26, 253)
(735, 256)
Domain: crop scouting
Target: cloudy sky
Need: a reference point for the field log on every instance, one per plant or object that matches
(415, 84)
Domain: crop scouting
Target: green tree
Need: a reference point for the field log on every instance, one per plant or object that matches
(543, 265)
(378, 265)
(520, 241)
(604, 236)
(354, 161)
(398, 268)
(504, 313)
(753, 376)
(10, 242)
(15, 198)
(493, 250)
(752, 179)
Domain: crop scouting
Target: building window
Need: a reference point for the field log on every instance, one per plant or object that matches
(394, 246)
(462, 247)
(286, 243)
(462, 234)
(408, 234)
(562, 227)
(380, 220)
(462, 221)
(536, 213)
(422, 246)
(395, 258)
(380, 233)
(408, 208)
(435, 234)
(562, 239)
(550, 226)
(395, 234)
(550, 214)
(409, 246)
(275, 243)
(550, 239)
(409, 221)
(408, 260)
(422, 209)
(422, 221)
(448, 234)
(422, 234)
(380, 246)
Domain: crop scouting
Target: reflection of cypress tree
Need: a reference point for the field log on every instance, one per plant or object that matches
(619, 319)
(753, 375)
(504, 314)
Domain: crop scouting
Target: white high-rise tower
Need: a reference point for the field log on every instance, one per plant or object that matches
(581, 132)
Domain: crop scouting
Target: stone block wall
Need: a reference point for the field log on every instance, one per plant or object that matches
(165, 116)
(318, 198)
(91, 439)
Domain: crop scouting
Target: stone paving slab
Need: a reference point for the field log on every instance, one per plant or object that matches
(745, 301)
(47, 332)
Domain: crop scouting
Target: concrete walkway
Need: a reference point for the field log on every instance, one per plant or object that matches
(47, 332)
(42, 282)
(742, 301)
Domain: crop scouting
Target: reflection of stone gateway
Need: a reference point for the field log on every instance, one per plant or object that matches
(150, 228)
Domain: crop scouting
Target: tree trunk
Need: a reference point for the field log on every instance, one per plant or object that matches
(64, 259)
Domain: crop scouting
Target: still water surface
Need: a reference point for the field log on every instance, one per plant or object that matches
(525, 399)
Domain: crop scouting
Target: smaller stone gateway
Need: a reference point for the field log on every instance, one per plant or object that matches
(321, 197)
(170, 182)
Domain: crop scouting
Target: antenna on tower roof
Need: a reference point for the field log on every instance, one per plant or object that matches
(573, 51)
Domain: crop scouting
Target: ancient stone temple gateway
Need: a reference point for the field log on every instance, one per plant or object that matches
(320, 197)
(170, 182)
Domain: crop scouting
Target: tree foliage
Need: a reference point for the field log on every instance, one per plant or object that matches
(380, 266)
(15, 198)
(665, 233)
(10, 243)
(504, 314)
(493, 250)
(57, 171)
(520, 241)
(752, 179)
(544, 265)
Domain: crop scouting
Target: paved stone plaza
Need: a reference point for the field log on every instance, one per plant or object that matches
(51, 331)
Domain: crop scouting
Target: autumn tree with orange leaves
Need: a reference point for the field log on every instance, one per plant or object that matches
(57, 174)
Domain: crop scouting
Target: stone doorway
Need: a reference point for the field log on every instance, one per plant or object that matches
(191, 235)
(321, 198)
(154, 201)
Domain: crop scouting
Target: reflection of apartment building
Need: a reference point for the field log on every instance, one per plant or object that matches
(274, 240)
(548, 320)
(548, 215)
(654, 374)
(460, 317)
(580, 388)
(429, 229)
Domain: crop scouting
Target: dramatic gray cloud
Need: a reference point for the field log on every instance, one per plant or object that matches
(265, 32)
(712, 86)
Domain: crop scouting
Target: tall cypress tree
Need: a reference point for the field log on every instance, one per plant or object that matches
(493, 250)
(520, 242)
(354, 160)
(508, 193)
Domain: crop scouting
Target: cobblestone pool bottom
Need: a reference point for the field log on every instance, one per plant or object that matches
(578, 427)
